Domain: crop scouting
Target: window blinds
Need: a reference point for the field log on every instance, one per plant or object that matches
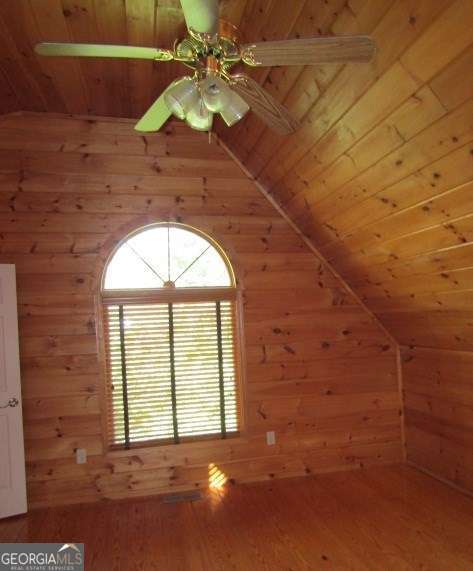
(171, 371)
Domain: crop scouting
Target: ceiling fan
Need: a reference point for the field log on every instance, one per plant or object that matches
(211, 50)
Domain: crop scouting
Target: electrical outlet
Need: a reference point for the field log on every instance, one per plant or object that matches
(81, 455)
(271, 438)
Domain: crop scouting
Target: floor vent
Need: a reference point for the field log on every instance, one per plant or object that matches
(183, 497)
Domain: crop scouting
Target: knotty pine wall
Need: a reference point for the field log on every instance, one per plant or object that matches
(438, 397)
(380, 177)
(319, 371)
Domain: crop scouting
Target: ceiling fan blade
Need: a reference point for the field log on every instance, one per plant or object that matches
(264, 105)
(102, 50)
(310, 51)
(155, 117)
(201, 15)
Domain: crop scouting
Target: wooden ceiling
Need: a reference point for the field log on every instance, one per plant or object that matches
(380, 175)
(89, 86)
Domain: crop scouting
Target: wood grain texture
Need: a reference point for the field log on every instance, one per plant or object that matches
(380, 179)
(113, 88)
(379, 176)
(66, 197)
(439, 412)
(309, 51)
(264, 105)
(381, 518)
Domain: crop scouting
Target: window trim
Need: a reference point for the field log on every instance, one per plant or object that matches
(218, 293)
(166, 295)
(182, 226)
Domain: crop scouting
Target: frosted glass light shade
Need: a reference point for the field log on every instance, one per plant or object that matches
(215, 93)
(199, 117)
(235, 109)
(181, 96)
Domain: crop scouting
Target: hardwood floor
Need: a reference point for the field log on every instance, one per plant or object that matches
(381, 518)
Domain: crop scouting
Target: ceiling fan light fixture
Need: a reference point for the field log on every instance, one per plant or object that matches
(181, 96)
(235, 109)
(199, 117)
(215, 92)
(211, 48)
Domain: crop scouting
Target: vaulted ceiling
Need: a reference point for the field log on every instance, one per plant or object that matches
(380, 174)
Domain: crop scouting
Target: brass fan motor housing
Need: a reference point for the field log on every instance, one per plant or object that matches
(214, 53)
(228, 31)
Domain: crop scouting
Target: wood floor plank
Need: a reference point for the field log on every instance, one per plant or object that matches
(392, 517)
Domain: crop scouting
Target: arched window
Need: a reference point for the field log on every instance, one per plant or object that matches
(169, 302)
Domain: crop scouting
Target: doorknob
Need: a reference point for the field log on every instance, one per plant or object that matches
(12, 402)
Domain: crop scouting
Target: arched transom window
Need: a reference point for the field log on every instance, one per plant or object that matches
(169, 302)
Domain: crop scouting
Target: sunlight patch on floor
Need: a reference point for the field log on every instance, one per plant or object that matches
(217, 478)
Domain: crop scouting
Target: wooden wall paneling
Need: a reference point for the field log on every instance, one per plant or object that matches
(377, 181)
(384, 194)
(439, 419)
(307, 374)
(8, 99)
(326, 345)
(55, 305)
(77, 163)
(45, 242)
(96, 138)
(126, 204)
(303, 237)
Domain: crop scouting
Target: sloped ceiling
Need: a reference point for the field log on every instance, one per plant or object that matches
(380, 175)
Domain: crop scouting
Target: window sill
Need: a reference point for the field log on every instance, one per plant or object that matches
(191, 444)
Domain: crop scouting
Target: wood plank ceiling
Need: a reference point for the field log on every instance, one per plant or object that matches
(380, 175)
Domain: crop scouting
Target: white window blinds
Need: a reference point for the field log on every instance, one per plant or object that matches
(171, 371)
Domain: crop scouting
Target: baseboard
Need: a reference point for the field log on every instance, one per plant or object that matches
(142, 495)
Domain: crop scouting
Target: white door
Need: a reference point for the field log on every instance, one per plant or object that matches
(12, 455)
